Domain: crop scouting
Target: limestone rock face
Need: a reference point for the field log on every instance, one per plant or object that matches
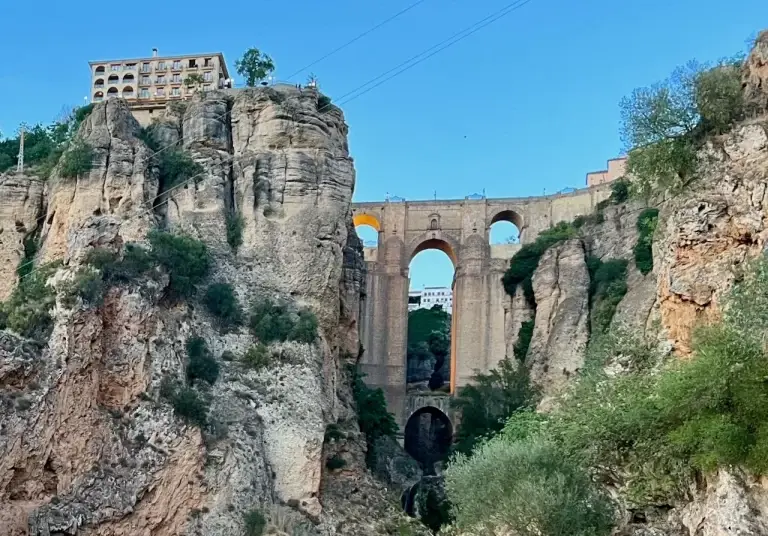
(20, 210)
(105, 455)
(561, 331)
(755, 75)
(121, 183)
(705, 236)
(518, 311)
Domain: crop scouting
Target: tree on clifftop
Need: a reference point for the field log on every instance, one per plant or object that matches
(254, 66)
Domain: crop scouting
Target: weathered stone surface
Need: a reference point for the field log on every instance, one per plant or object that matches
(706, 235)
(755, 76)
(20, 210)
(121, 183)
(561, 331)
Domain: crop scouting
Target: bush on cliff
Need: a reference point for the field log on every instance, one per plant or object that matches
(488, 402)
(608, 285)
(86, 284)
(664, 125)
(221, 301)
(186, 260)
(76, 161)
(530, 488)
(524, 263)
(372, 415)
(272, 322)
(28, 310)
(235, 224)
(658, 427)
(643, 250)
(200, 363)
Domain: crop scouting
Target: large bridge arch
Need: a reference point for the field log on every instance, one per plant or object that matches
(460, 228)
(428, 436)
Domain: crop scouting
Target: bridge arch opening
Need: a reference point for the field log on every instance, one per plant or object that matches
(367, 228)
(505, 228)
(428, 436)
(430, 311)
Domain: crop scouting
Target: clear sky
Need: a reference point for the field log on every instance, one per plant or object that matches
(526, 105)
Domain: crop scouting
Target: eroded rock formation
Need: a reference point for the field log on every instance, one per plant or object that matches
(87, 444)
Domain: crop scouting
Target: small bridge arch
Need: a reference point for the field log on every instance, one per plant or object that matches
(428, 436)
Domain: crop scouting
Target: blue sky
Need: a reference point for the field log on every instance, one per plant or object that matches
(527, 105)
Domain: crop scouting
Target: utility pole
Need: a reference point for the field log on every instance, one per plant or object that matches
(20, 162)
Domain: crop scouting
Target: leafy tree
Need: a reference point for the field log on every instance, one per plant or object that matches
(88, 285)
(664, 125)
(527, 487)
(77, 160)
(186, 260)
(524, 336)
(194, 80)
(255, 523)
(372, 415)
(488, 402)
(190, 406)
(305, 329)
(176, 166)
(254, 66)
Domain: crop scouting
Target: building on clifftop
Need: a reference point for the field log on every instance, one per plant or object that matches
(148, 84)
(617, 167)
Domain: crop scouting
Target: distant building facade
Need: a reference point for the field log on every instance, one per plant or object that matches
(148, 84)
(617, 167)
(429, 297)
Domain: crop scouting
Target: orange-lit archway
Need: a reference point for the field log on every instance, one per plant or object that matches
(367, 219)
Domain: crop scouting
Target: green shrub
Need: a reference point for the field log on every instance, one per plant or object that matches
(235, 224)
(323, 103)
(87, 285)
(607, 288)
(222, 303)
(524, 263)
(529, 487)
(335, 462)
(28, 309)
(136, 261)
(372, 415)
(524, 336)
(663, 126)
(255, 523)
(619, 191)
(305, 329)
(186, 260)
(643, 250)
(333, 433)
(201, 365)
(176, 166)
(258, 356)
(488, 402)
(76, 161)
(190, 406)
(272, 321)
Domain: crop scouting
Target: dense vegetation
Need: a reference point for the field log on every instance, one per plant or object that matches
(489, 401)
(372, 415)
(660, 427)
(664, 126)
(43, 146)
(200, 363)
(221, 301)
(275, 322)
(526, 260)
(608, 285)
(429, 340)
(235, 224)
(27, 311)
(174, 165)
(646, 226)
(186, 260)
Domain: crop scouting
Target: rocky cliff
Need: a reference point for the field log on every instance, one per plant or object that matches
(88, 444)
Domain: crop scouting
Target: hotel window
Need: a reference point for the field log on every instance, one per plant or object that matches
(160, 80)
(176, 65)
(176, 92)
(208, 76)
(144, 93)
(161, 66)
(176, 79)
(160, 92)
(114, 67)
(208, 62)
(145, 67)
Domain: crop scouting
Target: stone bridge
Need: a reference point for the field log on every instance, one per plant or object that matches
(460, 228)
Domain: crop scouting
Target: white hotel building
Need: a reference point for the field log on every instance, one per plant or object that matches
(429, 297)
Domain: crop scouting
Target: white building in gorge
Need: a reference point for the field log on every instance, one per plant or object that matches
(428, 297)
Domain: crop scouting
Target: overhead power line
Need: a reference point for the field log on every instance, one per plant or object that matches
(357, 38)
